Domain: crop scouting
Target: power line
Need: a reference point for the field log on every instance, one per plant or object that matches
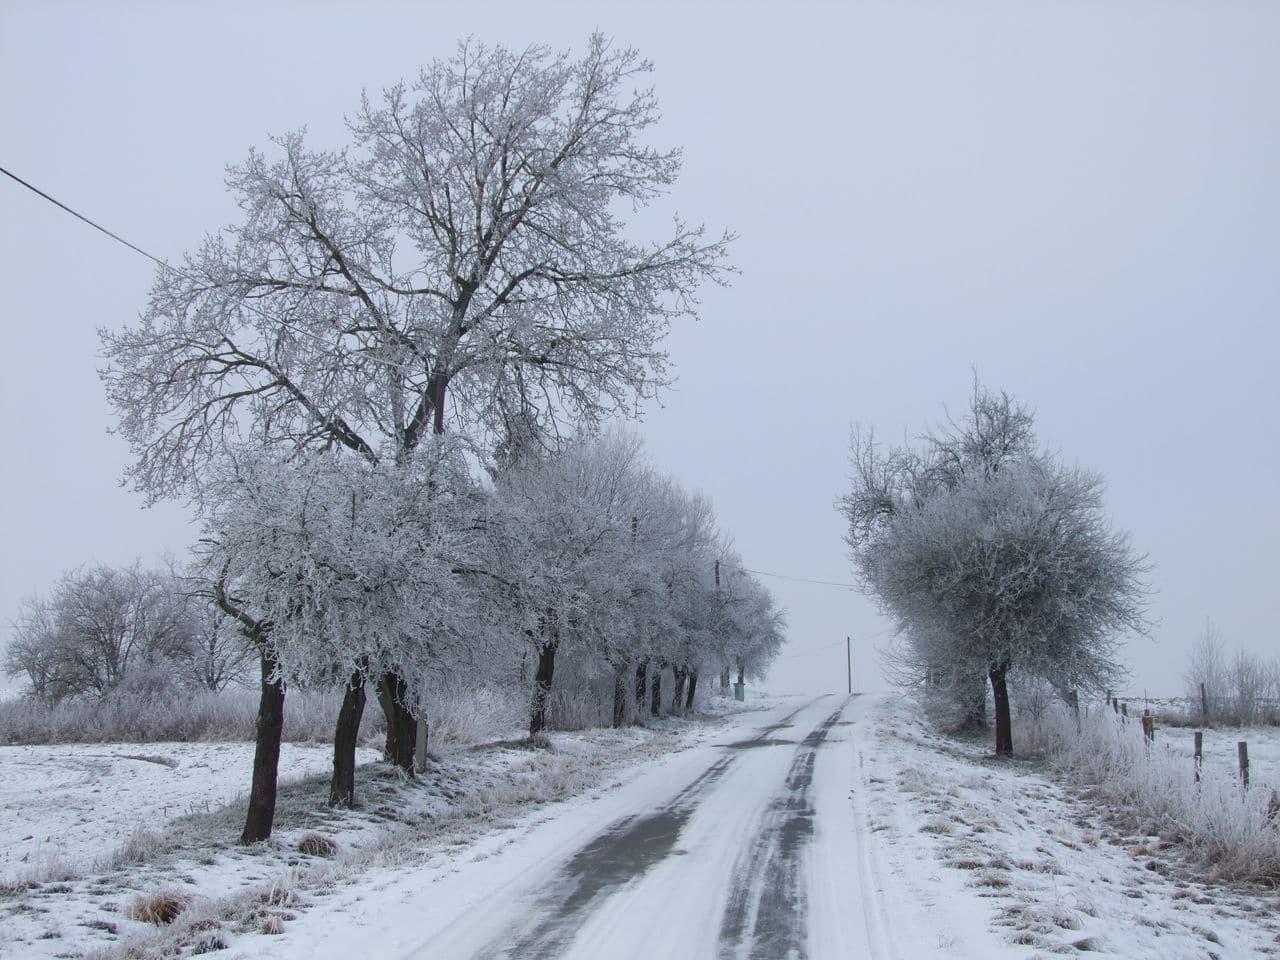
(80, 216)
(836, 643)
(165, 264)
(783, 576)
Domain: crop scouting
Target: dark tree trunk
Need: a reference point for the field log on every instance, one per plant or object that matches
(642, 688)
(724, 682)
(266, 754)
(677, 692)
(402, 728)
(342, 789)
(1000, 694)
(542, 687)
(693, 686)
(655, 701)
(620, 696)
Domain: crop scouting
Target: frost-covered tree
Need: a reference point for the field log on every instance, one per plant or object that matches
(338, 569)
(609, 568)
(1206, 675)
(461, 264)
(754, 626)
(214, 657)
(994, 557)
(684, 632)
(565, 528)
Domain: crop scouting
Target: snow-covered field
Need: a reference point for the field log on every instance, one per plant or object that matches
(1220, 751)
(65, 808)
(844, 827)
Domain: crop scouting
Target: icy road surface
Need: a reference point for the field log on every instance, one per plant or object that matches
(746, 847)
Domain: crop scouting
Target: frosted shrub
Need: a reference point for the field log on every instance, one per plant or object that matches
(581, 707)
(462, 718)
(1224, 826)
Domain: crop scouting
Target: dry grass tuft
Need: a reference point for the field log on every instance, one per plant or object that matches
(160, 907)
(317, 845)
(208, 944)
(272, 926)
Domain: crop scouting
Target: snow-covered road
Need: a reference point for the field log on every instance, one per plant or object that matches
(743, 847)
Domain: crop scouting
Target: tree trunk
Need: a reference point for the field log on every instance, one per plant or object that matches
(677, 693)
(266, 754)
(620, 696)
(342, 788)
(642, 688)
(402, 728)
(542, 687)
(1000, 694)
(724, 682)
(693, 685)
(655, 701)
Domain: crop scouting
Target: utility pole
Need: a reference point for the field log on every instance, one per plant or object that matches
(848, 662)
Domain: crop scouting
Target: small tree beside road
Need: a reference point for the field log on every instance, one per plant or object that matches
(994, 557)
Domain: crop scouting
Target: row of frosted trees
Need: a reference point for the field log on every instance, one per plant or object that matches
(370, 386)
(393, 580)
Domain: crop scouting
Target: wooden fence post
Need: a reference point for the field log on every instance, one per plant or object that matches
(1199, 752)
(1148, 726)
(1242, 753)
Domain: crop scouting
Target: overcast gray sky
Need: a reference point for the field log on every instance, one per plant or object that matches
(1078, 200)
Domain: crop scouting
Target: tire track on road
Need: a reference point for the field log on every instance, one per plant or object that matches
(767, 912)
(624, 852)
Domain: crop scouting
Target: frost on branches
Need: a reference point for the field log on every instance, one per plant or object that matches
(612, 566)
(995, 559)
(460, 263)
(342, 570)
(458, 268)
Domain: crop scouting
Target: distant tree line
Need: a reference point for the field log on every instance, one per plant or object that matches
(1226, 686)
(102, 627)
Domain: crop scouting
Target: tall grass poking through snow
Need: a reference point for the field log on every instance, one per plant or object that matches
(136, 716)
(457, 717)
(1229, 829)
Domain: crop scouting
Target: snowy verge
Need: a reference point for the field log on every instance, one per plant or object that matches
(226, 890)
(1154, 789)
(964, 845)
